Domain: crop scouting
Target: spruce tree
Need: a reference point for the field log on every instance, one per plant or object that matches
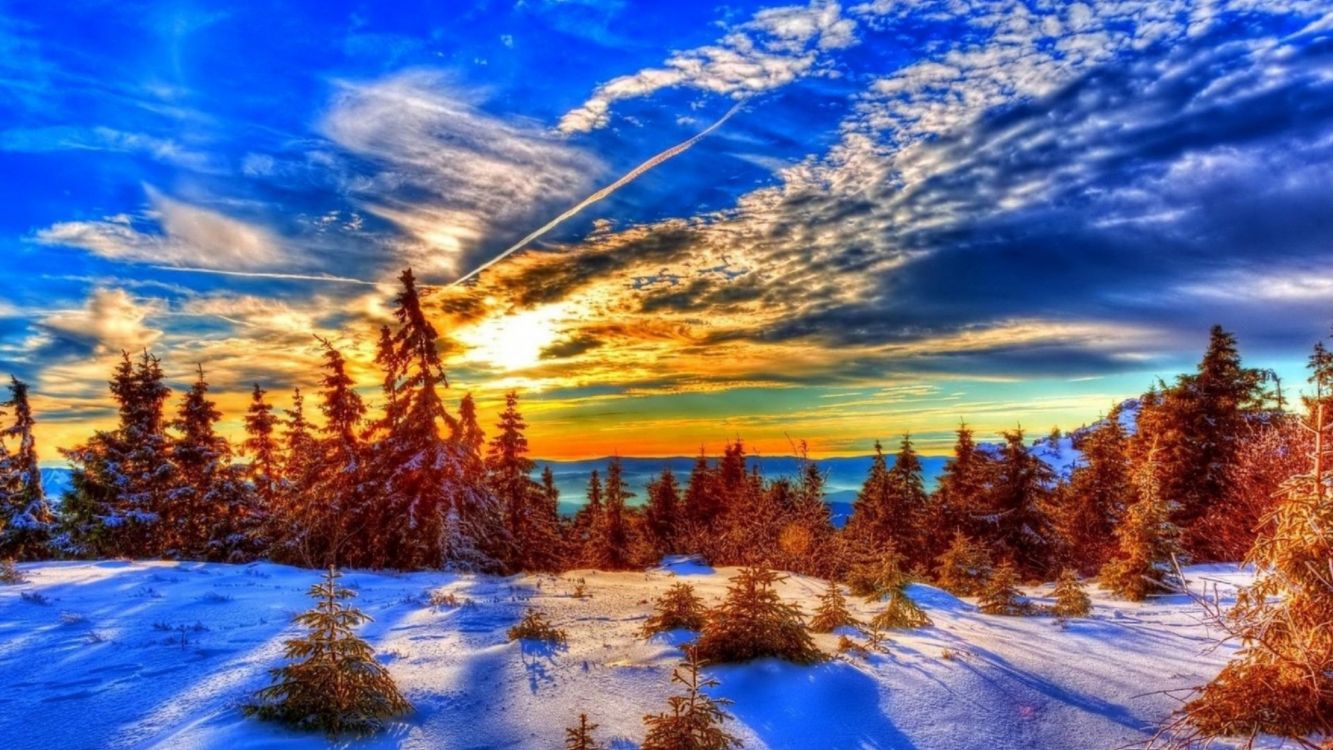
(662, 513)
(964, 567)
(261, 446)
(1001, 596)
(581, 737)
(612, 543)
(832, 612)
(333, 684)
(337, 506)
(531, 521)
(586, 521)
(695, 720)
(199, 453)
(900, 611)
(476, 539)
(1087, 510)
(678, 608)
(1146, 543)
(1070, 598)
(960, 497)
(1014, 521)
(26, 521)
(1281, 680)
(121, 479)
(753, 622)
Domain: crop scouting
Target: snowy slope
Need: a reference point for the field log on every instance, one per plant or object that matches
(160, 655)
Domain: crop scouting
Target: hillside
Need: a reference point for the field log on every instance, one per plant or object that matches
(161, 655)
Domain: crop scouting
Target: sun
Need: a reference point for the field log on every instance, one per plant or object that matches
(514, 341)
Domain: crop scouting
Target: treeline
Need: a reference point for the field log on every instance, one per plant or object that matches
(413, 484)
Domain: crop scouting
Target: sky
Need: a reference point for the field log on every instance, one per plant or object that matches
(905, 214)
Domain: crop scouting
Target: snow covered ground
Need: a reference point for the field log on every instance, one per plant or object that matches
(161, 654)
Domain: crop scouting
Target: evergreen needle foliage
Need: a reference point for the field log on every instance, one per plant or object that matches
(535, 627)
(1070, 598)
(900, 612)
(1281, 681)
(964, 567)
(1146, 545)
(335, 685)
(695, 719)
(678, 608)
(753, 622)
(10, 573)
(580, 737)
(832, 612)
(1001, 595)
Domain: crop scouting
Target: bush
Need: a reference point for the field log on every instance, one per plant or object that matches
(753, 623)
(535, 627)
(678, 608)
(336, 686)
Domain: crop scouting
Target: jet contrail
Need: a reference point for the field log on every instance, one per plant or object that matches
(629, 177)
(264, 275)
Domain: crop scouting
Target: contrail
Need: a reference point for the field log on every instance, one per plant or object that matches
(264, 275)
(629, 177)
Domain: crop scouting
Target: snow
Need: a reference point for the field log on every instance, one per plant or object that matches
(162, 655)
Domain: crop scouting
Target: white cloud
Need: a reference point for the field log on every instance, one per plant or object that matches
(109, 321)
(190, 236)
(772, 49)
(447, 173)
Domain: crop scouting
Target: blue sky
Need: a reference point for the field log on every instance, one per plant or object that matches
(986, 209)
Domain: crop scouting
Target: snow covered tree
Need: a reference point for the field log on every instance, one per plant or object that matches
(695, 720)
(662, 513)
(531, 521)
(1085, 512)
(1001, 596)
(1146, 543)
(1014, 522)
(475, 536)
(298, 443)
(334, 683)
(832, 612)
(964, 567)
(210, 501)
(1070, 598)
(26, 522)
(961, 494)
(586, 521)
(611, 544)
(261, 445)
(121, 479)
(753, 622)
(581, 737)
(678, 608)
(703, 507)
(1281, 680)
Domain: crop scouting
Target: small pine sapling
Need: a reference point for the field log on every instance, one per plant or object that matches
(753, 623)
(695, 721)
(877, 576)
(678, 608)
(580, 737)
(1001, 595)
(832, 612)
(10, 573)
(964, 567)
(334, 684)
(1070, 598)
(535, 627)
(900, 612)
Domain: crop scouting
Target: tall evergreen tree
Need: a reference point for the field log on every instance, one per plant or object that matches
(26, 521)
(475, 536)
(612, 544)
(531, 520)
(121, 479)
(336, 508)
(1014, 520)
(961, 494)
(662, 513)
(1146, 543)
(200, 454)
(1085, 512)
(261, 445)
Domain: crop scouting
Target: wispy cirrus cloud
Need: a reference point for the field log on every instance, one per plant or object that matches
(772, 49)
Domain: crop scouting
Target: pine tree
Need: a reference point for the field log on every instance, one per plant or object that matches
(586, 521)
(286, 530)
(695, 719)
(1070, 598)
(612, 544)
(1281, 680)
(1001, 595)
(678, 608)
(753, 622)
(580, 737)
(1087, 510)
(900, 611)
(1146, 543)
(262, 447)
(121, 479)
(1014, 522)
(662, 513)
(531, 521)
(702, 505)
(334, 683)
(961, 494)
(26, 521)
(476, 539)
(832, 612)
(199, 454)
(964, 567)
